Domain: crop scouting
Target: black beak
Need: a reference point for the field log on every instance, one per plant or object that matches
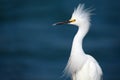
(61, 23)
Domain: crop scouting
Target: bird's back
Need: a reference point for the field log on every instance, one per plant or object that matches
(89, 71)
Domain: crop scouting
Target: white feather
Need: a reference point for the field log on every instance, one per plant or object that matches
(80, 65)
(81, 14)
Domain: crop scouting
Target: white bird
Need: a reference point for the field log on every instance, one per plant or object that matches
(81, 66)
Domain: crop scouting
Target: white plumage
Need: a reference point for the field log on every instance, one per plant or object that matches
(81, 66)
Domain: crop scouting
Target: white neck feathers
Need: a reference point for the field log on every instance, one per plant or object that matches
(78, 39)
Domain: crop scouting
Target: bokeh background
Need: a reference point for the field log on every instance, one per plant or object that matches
(32, 49)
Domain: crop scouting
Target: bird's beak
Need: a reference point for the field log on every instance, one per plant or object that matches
(65, 22)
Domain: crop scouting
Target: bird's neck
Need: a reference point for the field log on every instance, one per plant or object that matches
(78, 40)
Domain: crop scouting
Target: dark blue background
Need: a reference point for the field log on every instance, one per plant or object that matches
(32, 49)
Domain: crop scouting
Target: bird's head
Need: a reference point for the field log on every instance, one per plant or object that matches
(80, 17)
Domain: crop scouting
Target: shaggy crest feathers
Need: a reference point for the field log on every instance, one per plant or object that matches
(82, 14)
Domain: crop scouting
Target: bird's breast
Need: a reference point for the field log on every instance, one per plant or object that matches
(75, 63)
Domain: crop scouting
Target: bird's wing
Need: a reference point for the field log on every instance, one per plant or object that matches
(95, 71)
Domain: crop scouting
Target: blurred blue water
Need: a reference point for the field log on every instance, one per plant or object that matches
(32, 49)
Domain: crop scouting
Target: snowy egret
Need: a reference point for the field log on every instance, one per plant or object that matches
(81, 66)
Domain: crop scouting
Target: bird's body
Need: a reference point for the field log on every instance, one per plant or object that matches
(89, 70)
(81, 66)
